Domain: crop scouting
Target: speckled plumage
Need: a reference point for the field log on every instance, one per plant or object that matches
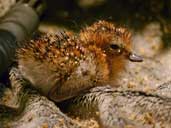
(62, 65)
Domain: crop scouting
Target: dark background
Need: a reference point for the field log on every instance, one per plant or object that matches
(74, 14)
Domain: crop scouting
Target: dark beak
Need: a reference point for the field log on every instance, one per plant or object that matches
(135, 58)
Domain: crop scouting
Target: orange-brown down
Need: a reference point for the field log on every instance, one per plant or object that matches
(63, 65)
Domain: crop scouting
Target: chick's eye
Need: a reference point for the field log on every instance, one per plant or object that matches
(116, 49)
(114, 46)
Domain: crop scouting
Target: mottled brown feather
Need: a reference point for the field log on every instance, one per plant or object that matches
(66, 64)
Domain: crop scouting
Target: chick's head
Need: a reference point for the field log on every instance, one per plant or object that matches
(114, 41)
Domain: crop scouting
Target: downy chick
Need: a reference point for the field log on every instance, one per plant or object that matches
(64, 65)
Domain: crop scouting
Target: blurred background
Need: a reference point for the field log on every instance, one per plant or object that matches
(75, 14)
(134, 14)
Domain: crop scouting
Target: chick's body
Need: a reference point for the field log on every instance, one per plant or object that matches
(63, 65)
